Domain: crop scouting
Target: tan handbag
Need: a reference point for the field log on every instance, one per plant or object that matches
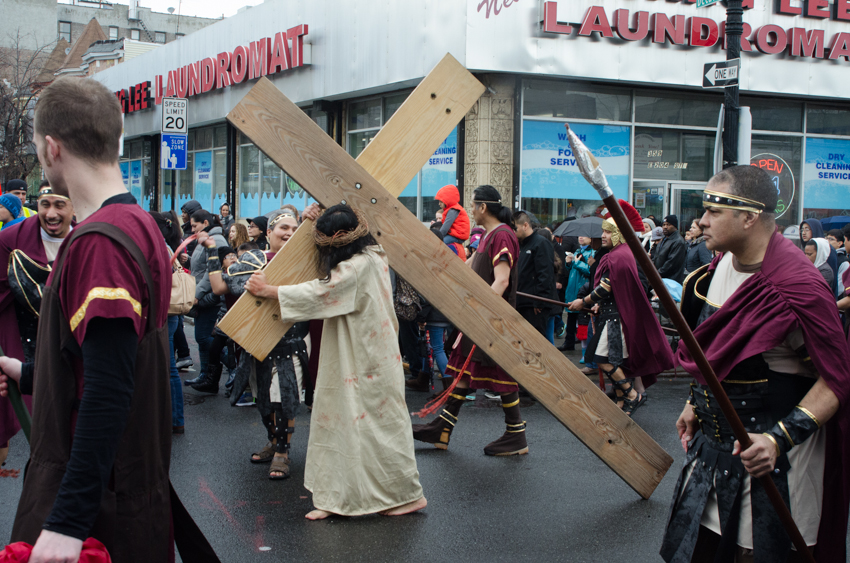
(182, 292)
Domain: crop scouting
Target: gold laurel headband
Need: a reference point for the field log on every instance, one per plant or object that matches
(729, 201)
(342, 238)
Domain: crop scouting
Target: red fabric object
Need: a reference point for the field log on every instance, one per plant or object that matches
(649, 352)
(581, 332)
(631, 214)
(785, 295)
(25, 236)
(458, 249)
(93, 552)
(450, 197)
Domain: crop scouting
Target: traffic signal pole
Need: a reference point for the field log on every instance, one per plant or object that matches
(734, 30)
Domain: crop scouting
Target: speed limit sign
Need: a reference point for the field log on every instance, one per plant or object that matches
(175, 115)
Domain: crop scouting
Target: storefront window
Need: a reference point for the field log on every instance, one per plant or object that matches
(668, 154)
(555, 99)
(205, 177)
(263, 186)
(774, 154)
(552, 186)
(136, 171)
(825, 120)
(678, 108)
(364, 115)
(249, 181)
(827, 178)
(770, 114)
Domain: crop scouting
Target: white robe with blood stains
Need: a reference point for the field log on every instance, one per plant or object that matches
(360, 457)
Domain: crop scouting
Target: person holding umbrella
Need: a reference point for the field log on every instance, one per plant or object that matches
(577, 271)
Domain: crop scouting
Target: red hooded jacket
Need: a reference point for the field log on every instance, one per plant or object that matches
(451, 198)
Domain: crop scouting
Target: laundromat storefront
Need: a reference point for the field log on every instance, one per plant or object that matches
(625, 75)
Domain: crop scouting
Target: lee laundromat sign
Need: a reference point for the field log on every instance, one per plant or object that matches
(696, 31)
(267, 56)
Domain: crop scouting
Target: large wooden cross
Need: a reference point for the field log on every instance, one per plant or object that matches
(290, 138)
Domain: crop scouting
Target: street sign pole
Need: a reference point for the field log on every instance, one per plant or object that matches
(734, 30)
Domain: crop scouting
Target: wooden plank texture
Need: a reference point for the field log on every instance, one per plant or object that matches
(283, 132)
(393, 157)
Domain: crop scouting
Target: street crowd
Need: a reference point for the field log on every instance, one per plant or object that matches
(89, 348)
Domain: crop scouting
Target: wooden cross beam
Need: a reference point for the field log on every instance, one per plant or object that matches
(296, 144)
(393, 157)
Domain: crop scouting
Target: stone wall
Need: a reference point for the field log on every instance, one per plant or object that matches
(489, 143)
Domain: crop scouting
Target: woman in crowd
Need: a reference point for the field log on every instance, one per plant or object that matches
(698, 254)
(207, 305)
(238, 235)
(817, 249)
(225, 216)
(277, 391)
(169, 226)
(257, 228)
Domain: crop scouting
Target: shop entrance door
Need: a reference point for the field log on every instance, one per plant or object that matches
(686, 202)
(649, 198)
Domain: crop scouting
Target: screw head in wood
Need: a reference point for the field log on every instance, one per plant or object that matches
(433, 96)
(358, 185)
(448, 110)
(343, 202)
(374, 200)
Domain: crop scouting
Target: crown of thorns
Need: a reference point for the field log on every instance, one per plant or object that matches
(343, 237)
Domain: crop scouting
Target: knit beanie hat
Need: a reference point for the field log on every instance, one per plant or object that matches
(673, 220)
(12, 203)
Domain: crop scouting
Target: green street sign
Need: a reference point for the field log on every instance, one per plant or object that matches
(704, 3)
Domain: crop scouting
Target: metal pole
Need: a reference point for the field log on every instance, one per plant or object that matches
(734, 30)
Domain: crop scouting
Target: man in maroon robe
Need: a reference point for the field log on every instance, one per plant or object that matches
(101, 433)
(496, 263)
(628, 341)
(34, 242)
(767, 322)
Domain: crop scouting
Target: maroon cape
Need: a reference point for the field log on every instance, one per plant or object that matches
(649, 351)
(787, 294)
(25, 236)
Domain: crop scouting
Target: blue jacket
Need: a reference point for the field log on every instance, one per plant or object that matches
(579, 272)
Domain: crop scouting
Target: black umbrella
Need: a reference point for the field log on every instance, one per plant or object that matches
(590, 227)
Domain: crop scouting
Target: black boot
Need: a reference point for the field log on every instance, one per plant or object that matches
(512, 441)
(419, 382)
(188, 382)
(209, 384)
(439, 430)
(568, 345)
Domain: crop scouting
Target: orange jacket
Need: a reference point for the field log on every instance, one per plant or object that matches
(451, 199)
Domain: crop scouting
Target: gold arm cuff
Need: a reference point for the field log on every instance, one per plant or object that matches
(775, 443)
(509, 405)
(458, 397)
(215, 272)
(808, 413)
(787, 436)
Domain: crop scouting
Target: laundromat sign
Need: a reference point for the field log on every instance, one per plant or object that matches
(265, 57)
(698, 31)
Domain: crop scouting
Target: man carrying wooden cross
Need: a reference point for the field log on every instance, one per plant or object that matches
(360, 456)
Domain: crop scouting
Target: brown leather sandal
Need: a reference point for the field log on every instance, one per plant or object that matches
(265, 455)
(279, 465)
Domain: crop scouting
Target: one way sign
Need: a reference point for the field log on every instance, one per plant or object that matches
(721, 75)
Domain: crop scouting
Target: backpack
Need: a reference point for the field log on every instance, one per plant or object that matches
(407, 302)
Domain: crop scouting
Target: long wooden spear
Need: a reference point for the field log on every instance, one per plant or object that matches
(592, 172)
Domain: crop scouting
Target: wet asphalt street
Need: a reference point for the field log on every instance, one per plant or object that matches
(558, 503)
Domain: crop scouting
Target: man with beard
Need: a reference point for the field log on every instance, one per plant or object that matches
(766, 321)
(26, 253)
(276, 377)
(628, 341)
(97, 467)
(360, 456)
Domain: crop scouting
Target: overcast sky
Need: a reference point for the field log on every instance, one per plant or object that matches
(203, 8)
